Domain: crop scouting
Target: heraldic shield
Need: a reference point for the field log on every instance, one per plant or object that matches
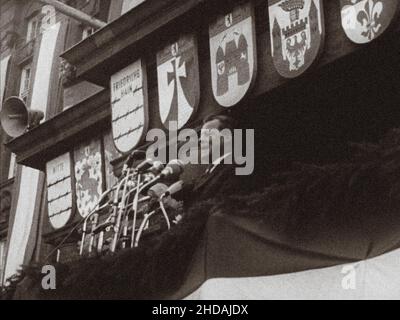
(233, 55)
(178, 81)
(59, 191)
(365, 20)
(129, 106)
(297, 34)
(88, 176)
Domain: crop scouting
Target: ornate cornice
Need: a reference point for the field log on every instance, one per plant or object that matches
(106, 49)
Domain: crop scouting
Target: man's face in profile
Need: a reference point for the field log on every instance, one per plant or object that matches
(212, 141)
(207, 143)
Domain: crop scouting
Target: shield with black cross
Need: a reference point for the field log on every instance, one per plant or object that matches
(178, 81)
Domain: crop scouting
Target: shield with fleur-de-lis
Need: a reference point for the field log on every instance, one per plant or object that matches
(129, 106)
(88, 176)
(233, 54)
(297, 34)
(365, 20)
(178, 81)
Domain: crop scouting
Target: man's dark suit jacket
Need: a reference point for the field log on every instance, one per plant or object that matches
(221, 182)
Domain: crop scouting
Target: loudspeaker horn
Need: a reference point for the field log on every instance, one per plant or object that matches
(16, 118)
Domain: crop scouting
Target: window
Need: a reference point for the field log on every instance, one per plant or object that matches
(2, 259)
(34, 27)
(25, 82)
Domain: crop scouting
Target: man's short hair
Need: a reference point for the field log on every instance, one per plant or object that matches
(226, 122)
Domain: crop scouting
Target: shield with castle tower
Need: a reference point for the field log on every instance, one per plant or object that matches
(233, 54)
(297, 34)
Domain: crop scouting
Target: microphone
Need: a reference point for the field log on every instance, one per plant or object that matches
(135, 155)
(153, 172)
(157, 167)
(173, 189)
(145, 165)
(157, 190)
(155, 193)
(174, 169)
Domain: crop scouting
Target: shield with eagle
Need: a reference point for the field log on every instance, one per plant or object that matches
(365, 20)
(178, 81)
(297, 34)
(88, 176)
(129, 106)
(233, 54)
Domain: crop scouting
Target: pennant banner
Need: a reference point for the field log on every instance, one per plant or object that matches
(30, 180)
(3, 75)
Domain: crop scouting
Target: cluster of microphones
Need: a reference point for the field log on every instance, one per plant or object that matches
(139, 204)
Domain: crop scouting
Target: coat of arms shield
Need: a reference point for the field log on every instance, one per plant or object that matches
(365, 20)
(129, 106)
(233, 54)
(297, 34)
(88, 176)
(178, 81)
(59, 191)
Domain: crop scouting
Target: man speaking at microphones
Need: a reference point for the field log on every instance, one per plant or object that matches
(218, 179)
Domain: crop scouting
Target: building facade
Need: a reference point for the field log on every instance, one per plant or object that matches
(289, 69)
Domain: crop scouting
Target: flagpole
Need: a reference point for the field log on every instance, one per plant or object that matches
(75, 13)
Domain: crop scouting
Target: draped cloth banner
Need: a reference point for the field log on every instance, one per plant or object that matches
(27, 207)
(376, 278)
(241, 259)
(3, 75)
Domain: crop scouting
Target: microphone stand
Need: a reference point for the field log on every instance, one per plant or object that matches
(142, 226)
(96, 208)
(119, 206)
(135, 208)
(149, 215)
(136, 202)
(162, 207)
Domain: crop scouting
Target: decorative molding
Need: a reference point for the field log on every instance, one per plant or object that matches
(124, 33)
(67, 73)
